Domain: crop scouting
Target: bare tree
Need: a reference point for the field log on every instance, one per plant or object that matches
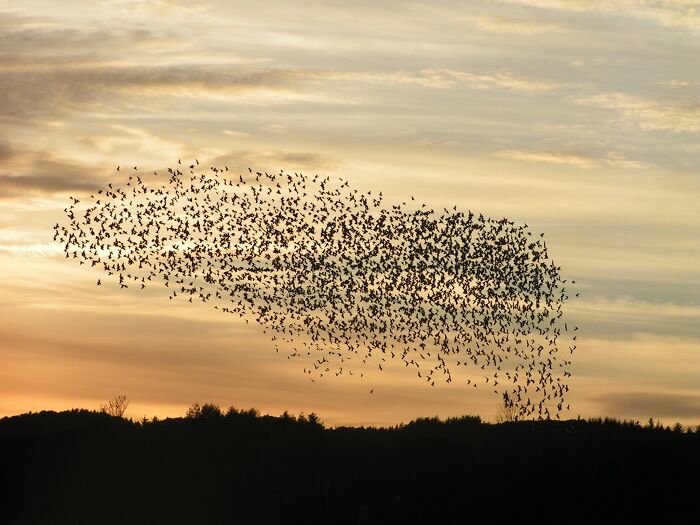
(116, 407)
(507, 411)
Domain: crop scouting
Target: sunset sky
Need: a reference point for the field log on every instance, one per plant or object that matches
(580, 118)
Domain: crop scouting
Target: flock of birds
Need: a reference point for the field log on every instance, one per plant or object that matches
(338, 278)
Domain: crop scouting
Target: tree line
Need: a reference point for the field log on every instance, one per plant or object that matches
(239, 466)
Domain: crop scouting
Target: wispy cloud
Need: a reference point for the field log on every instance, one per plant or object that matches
(671, 13)
(618, 318)
(649, 114)
(235, 134)
(64, 88)
(517, 26)
(60, 90)
(572, 159)
(37, 42)
(679, 83)
(275, 160)
(448, 78)
(651, 404)
(578, 160)
(26, 172)
(625, 308)
(33, 249)
(135, 140)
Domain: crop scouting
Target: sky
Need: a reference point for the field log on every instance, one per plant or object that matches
(580, 118)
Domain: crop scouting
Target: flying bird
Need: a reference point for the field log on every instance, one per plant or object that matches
(340, 278)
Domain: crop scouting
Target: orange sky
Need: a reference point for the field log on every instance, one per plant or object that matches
(580, 118)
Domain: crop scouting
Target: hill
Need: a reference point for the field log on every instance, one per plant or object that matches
(81, 466)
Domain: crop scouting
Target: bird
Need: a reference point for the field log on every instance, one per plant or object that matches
(337, 277)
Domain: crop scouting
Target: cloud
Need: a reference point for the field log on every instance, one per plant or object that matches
(616, 318)
(670, 13)
(33, 93)
(276, 160)
(61, 90)
(678, 83)
(163, 7)
(623, 308)
(13, 185)
(236, 134)
(33, 42)
(649, 114)
(26, 172)
(48, 69)
(578, 160)
(134, 140)
(572, 159)
(517, 26)
(647, 404)
(32, 249)
(6, 152)
(448, 78)
(617, 160)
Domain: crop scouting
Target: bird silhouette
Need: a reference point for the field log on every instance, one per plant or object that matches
(339, 278)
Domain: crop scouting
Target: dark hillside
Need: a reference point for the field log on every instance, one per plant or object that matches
(87, 467)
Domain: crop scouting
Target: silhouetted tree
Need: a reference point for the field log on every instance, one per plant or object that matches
(314, 420)
(244, 467)
(193, 411)
(116, 407)
(507, 412)
(205, 411)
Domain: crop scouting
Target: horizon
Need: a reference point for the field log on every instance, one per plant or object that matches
(224, 412)
(579, 119)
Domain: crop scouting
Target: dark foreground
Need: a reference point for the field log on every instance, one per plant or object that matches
(88, 467)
